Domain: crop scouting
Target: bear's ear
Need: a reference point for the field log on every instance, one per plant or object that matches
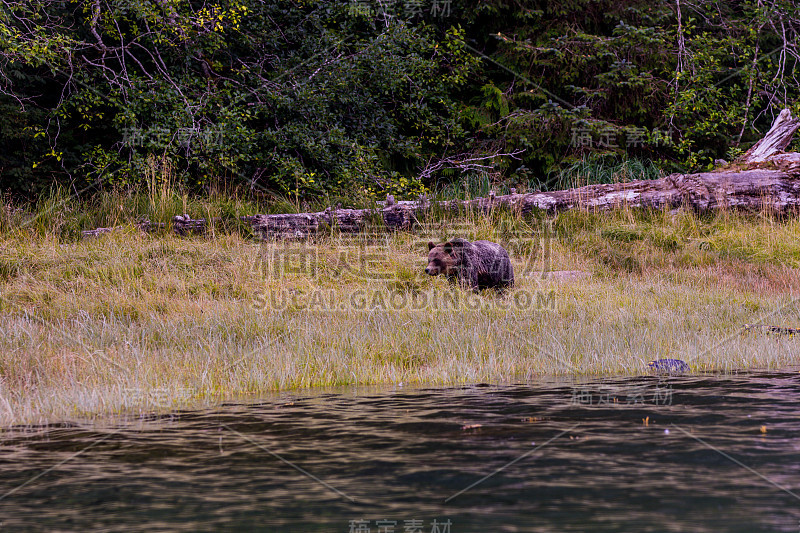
(431, 246)
(455, 244)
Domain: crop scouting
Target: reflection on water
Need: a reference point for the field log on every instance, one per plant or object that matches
(644, 454)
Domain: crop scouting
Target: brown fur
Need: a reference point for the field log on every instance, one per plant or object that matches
(476, 265)
(441, 260)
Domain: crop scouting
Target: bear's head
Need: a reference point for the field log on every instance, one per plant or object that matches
(442, 259)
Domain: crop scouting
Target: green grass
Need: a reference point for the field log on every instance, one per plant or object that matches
(131, 321)
(63, 215)
(573, 173)
(589, 171)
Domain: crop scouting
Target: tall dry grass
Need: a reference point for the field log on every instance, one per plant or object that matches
(132, 322)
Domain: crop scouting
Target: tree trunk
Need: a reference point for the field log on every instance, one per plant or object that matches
(745, 190)
(776, 140)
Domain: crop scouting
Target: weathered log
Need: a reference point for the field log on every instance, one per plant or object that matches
(303, 225)
(776, 140)
(181, 225)
(753, 190)
(97, 232)
(771, 180)
(143, 225)
(745, 190)
(789, 162)
(184, 224)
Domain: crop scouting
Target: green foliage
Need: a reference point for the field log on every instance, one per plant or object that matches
(309, 100)
(294, 99)
(625, 78)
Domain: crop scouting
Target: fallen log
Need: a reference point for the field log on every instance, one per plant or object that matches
(181, 225)
(750, 190)
(184, 225)
(776, 140)
(143, 225)
(765, 179)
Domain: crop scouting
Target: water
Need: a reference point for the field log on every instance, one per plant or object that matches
(609, 455)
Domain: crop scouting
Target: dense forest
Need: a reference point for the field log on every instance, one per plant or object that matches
(333, 98)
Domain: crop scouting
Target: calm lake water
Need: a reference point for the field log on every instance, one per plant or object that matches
(683, 453)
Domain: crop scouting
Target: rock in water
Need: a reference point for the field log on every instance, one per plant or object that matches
(671, 366)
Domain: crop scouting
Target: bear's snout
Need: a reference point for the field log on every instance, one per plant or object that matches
(430, 271)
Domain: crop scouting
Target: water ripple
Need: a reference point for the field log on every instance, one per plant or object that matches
(644, 454)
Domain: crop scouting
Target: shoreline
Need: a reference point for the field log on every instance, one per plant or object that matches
(596, 383)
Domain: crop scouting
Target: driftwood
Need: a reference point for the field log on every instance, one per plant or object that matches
(765, 179)
(788, 162)
(755, 190)
(185, 225)
(181, 225)
(776, 140)
(399, 215)
(144, 225)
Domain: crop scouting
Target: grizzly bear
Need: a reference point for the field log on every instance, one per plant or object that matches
(476, 265)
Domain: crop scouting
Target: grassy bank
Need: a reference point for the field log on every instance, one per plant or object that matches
(132, 322)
